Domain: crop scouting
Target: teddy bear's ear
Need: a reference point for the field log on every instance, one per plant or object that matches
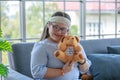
(62, 39)
(77, 38)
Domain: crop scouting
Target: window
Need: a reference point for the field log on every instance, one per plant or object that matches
(23, 20)
(10, 19)
(104, 14)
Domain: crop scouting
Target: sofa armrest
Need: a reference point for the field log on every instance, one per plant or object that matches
(14, 75)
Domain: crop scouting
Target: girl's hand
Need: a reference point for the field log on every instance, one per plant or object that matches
(68, 66)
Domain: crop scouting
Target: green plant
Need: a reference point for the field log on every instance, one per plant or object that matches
(4, 46)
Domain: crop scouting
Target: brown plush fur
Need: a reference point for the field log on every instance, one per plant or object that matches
(86, 77)
(69, 49)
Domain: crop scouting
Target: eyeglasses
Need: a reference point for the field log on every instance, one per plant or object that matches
(56, 28)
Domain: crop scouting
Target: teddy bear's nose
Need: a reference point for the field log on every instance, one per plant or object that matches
(72, 38)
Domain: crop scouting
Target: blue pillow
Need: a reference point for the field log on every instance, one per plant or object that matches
(113, 49)
(105, 66)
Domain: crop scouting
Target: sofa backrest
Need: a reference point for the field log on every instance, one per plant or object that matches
(98, 45)
(21, 57)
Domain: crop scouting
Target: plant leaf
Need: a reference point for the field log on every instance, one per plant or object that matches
(0, 33)
(5, 45)
(3, 70)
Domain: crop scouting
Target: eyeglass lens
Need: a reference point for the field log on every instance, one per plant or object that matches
(57, 28)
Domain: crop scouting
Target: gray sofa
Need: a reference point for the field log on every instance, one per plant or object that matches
(104, 54)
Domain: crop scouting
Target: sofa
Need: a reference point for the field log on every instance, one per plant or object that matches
(103, 53)
(105, 57)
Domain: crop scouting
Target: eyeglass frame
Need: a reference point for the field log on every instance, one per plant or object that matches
(57, 28)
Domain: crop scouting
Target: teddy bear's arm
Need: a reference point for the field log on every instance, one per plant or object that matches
(77, 57)
(77, 49)
(61, 56)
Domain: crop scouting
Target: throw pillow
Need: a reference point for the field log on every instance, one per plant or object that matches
(113, 49)
(105, 66)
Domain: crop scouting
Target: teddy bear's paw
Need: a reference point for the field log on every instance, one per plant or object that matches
(81, 57)
(57, 54)
(86, 77)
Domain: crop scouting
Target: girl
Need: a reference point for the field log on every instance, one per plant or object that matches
(44, 66)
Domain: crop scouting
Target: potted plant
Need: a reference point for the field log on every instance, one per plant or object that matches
(4, 46)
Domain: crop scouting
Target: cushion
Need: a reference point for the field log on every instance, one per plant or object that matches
(21, 57)
(105, 66)
(113, 49)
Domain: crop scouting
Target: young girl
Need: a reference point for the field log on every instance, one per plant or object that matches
(44, 66)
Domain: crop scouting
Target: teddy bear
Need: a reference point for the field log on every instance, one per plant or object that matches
(69, 49)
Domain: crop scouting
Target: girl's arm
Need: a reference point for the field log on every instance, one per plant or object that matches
(50, 73)
(86, 62)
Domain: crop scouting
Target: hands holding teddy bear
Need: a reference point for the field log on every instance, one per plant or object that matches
(68, 66)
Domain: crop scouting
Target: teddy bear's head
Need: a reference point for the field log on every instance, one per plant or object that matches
(69, 40)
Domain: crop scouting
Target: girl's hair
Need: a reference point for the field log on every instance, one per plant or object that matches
(45, 33)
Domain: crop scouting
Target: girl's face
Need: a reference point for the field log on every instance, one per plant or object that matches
(57, 31)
